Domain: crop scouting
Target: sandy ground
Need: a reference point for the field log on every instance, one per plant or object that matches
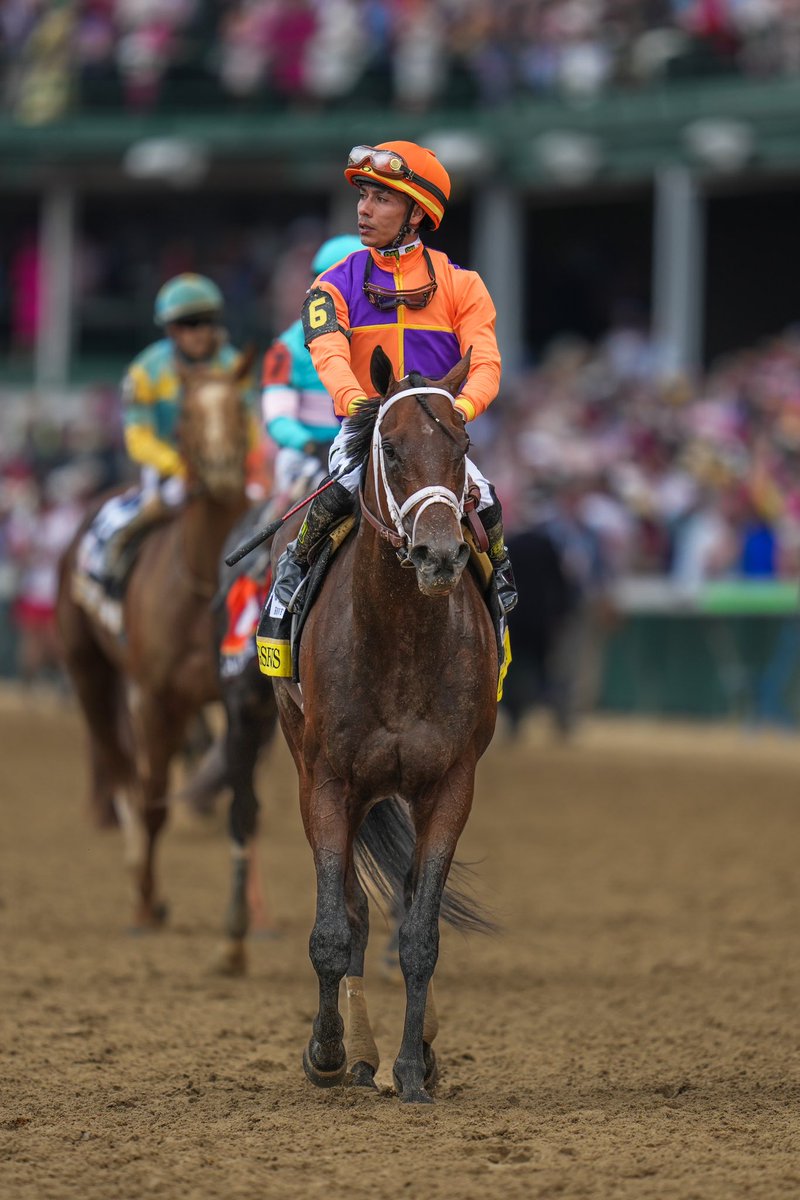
(634, 1032)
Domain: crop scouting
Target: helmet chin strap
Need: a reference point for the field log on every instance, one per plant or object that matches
(405, 229)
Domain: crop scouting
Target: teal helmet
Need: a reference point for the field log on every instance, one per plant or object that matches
(333, 251)
(187, 296)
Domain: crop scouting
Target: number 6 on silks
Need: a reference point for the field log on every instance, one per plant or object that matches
(319, 314)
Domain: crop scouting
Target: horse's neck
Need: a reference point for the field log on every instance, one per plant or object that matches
(203, 527)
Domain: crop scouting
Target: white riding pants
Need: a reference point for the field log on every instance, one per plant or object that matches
(348, 474)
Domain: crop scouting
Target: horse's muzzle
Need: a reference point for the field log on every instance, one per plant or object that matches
(439, 570)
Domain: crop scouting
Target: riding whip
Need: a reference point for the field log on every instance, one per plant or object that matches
(270, 530)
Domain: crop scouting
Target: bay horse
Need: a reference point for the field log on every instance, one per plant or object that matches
(399, 672)
(138, 693)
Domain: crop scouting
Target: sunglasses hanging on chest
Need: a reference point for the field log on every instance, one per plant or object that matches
(387, 299)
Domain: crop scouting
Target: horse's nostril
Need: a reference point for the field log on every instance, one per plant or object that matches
(462, 554)
(420, 555)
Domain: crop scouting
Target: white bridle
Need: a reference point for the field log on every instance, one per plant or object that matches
(425, 497)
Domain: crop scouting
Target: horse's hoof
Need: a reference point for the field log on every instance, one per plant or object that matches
(324, 1079)
(417, 1096)
(362, 1075)
(149, 919)
(411, 1095)
(431, 1067)
(230, 960)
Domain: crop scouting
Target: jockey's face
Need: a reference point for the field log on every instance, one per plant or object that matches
(381, 212)
(196, 338)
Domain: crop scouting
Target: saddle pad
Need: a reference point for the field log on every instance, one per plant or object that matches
(322, 557)
(481, 566)
(243, 603)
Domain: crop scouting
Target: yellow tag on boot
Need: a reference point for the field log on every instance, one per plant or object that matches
(274, 657)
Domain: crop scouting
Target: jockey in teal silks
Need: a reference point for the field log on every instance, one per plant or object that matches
(297, 409)
(298, 416)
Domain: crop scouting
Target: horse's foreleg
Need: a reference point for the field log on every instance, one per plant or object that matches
(362, 1053)
(246, 732)
(415, 1066)
(158, 737)
(330, 945)
(419, 950)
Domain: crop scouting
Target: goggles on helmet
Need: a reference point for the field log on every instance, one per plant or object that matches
(196, 320)
(390, 165)
(387, 299)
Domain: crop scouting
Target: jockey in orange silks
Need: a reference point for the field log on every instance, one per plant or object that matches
(422, 309)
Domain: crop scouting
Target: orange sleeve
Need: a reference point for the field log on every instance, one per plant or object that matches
(277, 364)
(330, 353)
(474, 324)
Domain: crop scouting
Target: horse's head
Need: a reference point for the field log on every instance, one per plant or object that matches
(213, 430)
(418, 470)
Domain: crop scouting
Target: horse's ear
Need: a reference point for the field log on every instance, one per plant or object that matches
(456, 377)
(246, 359)
(381, 371)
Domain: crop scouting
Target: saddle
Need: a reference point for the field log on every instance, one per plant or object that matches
(102, 596)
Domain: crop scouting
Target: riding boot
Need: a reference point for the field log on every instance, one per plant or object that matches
(285, 597)
(492, 521)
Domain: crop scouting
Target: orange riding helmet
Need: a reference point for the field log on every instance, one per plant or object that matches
(403, 167)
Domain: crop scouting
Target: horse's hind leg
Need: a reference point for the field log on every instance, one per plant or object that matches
(362, 1053)
(330, 945)
(98, 688)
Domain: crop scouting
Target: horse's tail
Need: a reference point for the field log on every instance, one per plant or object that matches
(384, 854)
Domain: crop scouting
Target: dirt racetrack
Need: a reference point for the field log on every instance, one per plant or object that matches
(634, 1032)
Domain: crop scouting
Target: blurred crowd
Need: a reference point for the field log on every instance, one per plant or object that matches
(628, 470)
(412, 53)
(690, 479)
(51, 466)
(119, 264)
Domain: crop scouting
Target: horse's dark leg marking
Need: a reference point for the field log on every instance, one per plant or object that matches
(330, 943)
(362, 1053)
(438, 832)
(251, 717)
(419, 950)
(242, 743)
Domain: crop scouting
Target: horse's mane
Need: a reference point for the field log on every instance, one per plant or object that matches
(359, 429)
(362, 423)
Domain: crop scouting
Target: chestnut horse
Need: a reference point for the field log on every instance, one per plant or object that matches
(138, 693)
(398, 670)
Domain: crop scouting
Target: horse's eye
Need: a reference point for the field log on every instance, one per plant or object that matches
(389, 451)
